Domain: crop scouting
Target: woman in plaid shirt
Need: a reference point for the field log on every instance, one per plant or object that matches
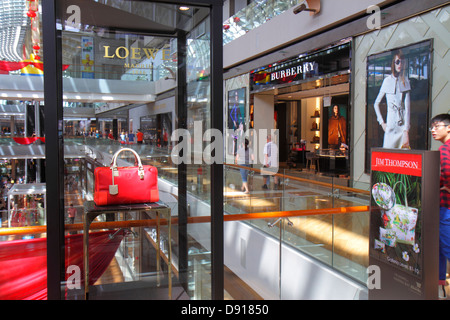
(440, 129)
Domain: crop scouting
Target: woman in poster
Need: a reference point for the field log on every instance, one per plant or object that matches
(396, 88)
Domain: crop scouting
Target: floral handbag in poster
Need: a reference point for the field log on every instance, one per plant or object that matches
(399, 221)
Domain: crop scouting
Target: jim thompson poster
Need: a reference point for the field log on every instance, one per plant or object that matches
(396, 210)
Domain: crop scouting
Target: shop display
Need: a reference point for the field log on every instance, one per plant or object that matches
(125, 185)
(26, 205)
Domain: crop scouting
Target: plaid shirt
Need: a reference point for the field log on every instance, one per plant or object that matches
(445, 173)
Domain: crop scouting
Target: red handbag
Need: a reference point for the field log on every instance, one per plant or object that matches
(125, 185)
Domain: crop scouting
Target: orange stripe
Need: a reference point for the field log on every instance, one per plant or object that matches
(174, 221)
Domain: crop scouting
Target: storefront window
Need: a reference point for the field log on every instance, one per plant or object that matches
(123, 71)
(120, 72)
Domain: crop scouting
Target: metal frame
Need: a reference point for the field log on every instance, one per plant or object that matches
(54, 151)
(53, 91)
(217, 122)
(183, 213)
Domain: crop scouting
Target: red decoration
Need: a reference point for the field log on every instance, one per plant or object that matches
(12, 65)
(36, 57)
(23, 263)
(31, 14)
(226, 26)
(36, 47)
(27, 140)
(237, 19)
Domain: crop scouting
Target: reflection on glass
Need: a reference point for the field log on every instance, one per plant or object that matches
(252, 16)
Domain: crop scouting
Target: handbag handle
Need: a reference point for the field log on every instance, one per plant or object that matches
(113, 189)
(116, 155)
(401, 182)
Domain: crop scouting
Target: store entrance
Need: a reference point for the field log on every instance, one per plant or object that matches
(281, 125)
(314, 129)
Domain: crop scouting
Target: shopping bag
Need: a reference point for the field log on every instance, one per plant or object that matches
(125, 185)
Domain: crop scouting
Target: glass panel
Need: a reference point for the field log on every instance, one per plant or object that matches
(198, 173)
(337, 240)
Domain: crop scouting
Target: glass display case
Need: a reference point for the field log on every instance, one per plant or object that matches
(333, 152)
(334, 161)
(26, 205)
(144, 256)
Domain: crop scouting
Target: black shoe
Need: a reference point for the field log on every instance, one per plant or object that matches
(442, 293)
(265, 186)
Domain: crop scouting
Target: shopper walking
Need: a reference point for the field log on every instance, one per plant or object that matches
(270, 163)
(245, 158)
(139, 136)
(440, 130)
(71, 213)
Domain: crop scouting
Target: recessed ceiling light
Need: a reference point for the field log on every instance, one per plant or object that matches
(184, 8)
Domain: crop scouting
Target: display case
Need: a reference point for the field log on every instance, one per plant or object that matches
(315, 128)
(334, 161)
(146, 221)
(26, 205)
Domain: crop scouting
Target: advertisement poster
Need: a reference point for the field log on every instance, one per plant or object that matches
(335, 122)
(87, 57)
(396, 211)
(236, 118)
(398, 98)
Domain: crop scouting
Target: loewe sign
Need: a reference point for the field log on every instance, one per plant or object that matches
(135, 53)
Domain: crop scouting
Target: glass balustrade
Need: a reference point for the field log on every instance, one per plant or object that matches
(339, 240)
(292, 212)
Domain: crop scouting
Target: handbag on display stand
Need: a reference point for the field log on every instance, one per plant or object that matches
(125, 185)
